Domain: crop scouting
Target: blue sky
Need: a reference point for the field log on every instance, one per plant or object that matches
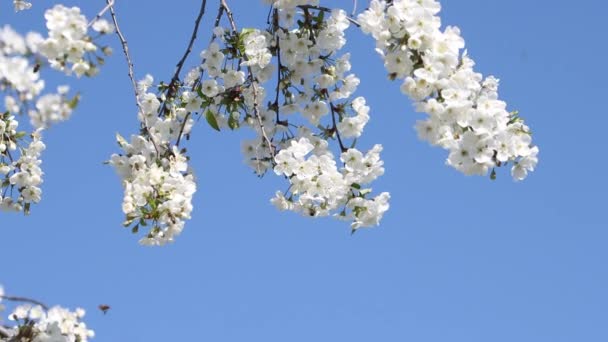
(456, 258)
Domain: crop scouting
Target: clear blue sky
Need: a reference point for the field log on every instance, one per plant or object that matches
(456, 259)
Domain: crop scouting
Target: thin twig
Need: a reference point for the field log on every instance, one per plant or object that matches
(335, 127)
(173, 85)
(125, 50)
(275, 27)
(198, 81)
(25, 300)
(104, 10)
(256, 110)
(218, 18)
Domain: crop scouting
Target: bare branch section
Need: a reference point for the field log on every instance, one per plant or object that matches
(174, 84)
(125, 50)
(102, 12)
(256, 110)
(178, 68)
(25, 300)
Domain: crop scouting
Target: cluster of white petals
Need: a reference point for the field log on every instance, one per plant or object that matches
(21, 58)
(158, 184)
(35, 323)
(69, 43)
(310, 113)
(318, 187)
(466, 117)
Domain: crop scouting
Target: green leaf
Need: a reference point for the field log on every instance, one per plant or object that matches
(74, 101)
(356, 186)
(493, 174)
(135, 229)
(211, 120)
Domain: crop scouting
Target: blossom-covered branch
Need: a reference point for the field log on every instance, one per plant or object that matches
(466, 117)
(68, 48)
(33, 321)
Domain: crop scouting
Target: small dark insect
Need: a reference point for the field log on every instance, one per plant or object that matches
(104, 308)
(37, 67)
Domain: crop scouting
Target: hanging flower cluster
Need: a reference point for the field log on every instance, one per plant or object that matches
(312, 80)
(466, 116)
(228, 90)
(158, 184)
(35, 323)
(68, 47)
(21, 60)
(316, 82)
(300, 52)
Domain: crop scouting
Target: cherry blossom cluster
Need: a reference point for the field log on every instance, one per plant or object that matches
(315, 80)
(227, 89)
(69, 47)
(312, 80)
(466, 117)
(158, 184)
(35, 323)
(21, 61)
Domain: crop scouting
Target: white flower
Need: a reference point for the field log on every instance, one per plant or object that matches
(103, 26)
(210, 88)
(21, 5)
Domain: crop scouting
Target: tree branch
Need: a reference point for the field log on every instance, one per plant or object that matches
(256, 110)
(125, 50)
(24, 300)
(103, 10)
(335, 127)
(180, 64)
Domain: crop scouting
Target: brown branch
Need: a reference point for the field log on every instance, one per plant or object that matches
(256, 110)
(335, 127)
(103, 10)
(276, 28)
(173, 85)
(178, 68)
(24, 300)
(220, 13)
(218, 18)
(125, 50)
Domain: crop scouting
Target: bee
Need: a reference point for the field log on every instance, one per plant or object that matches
(104, 308)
